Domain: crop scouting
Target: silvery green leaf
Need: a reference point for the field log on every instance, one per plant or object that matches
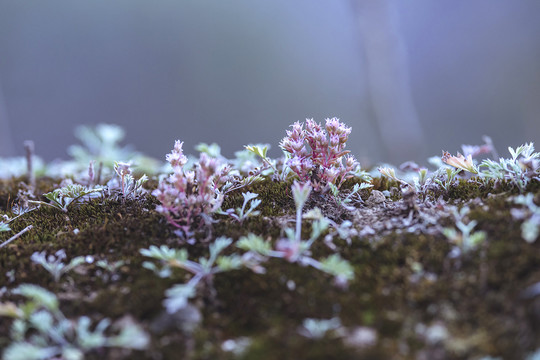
(39, 295)
(337, 266)
(218, 245)
(255, 243)
(131, 336)
(249, 196)
(4, 226)
(177, 297)
(164, 272)
(318, 227)
(18, 329)
(212, 150)
(71, 353)
(530, 230)
(41, 320)
(300, 193)
(474, 239)
(27, 351)
(226, 263)
(258, 150)
(317, 328)
(291, 234)
(88, 339)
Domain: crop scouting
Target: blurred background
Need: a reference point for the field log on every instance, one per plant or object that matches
(410, 77)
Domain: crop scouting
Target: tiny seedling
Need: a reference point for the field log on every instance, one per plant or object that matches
(67, 196)
(349, 197)
(465, 238)
(241, 214)
(54, 265)
(519, 170)
(446, 180)
(260, 151)
(391, 174)
(108, 269)
(178, 295)
(293, 248)
(130, 187)
(317, 328)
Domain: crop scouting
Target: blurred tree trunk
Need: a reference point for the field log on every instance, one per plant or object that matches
(388, 80)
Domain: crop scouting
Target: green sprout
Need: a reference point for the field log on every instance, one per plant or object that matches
(317, 328)
(349, 197)
(465, 238)
(240, 214)
(519, 170)
(130, 187)
(54, 265)
(449, 180)
(261, 150)
(178, 295)
(67, 196)
(293, 248)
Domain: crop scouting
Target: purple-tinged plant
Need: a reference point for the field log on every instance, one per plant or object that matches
(326, 161)
(188, 197)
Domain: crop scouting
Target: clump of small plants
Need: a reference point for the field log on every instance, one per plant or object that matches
(115, 255)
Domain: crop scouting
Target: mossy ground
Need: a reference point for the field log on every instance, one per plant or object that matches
(419, 302)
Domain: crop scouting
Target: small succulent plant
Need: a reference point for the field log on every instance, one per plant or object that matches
(318, 154)
(190, 196)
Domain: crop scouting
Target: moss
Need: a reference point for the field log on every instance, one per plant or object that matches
(404, 281)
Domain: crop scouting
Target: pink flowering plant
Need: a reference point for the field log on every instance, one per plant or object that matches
(188, 197)
(318, 154)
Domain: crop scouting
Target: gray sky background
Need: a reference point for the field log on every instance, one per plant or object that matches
(241, 71)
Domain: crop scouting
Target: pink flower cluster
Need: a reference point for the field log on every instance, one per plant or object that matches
(325, 161)
(189, 197)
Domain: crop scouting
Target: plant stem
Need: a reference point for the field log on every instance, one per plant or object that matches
(29, 227)
(299, 223)
(29, 148)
